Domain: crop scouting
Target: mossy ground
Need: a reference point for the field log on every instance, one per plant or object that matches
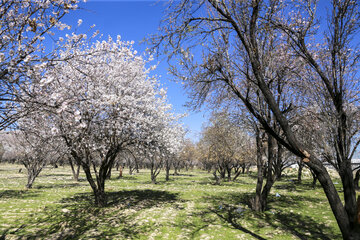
(188, 206)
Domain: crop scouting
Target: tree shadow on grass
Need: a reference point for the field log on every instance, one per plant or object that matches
(223, 208)
(183, 175)
(227, 215)
(4, 233)
(253, 175)
(55, 175)
(60, 185)
(286, 186)
(231, 216)
(18, 194)
(212, 181)
(192, 227)
(301, 226)
(293, 185)
(17, 177)
(235, 207)
(145, 198)
(124, 177)
(77, 217)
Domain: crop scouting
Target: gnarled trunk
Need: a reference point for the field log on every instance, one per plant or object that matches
(98, 189)
(259, 203)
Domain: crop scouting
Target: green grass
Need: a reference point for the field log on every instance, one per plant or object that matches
(187, 207)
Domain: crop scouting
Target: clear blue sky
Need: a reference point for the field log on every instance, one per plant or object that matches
(134, 20)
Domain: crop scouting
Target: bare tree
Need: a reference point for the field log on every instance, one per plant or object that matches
(36, 147)
(242, 40)
(227, 146)
(334, 67)
(155, 162)
(187, 154)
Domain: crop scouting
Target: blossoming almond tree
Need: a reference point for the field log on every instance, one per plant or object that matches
(101, 101)
(24, 26)
(35, 146)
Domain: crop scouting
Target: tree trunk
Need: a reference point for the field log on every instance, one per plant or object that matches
(356, 179)
(100, 198)
(222, 171)
(30, 180)
(262, 193)
(76, 177)
(355, 233)
(248, 169)
(32, 172)
(237, 174)
(98, 189)
(108, 171)
(228, 169)
(270, 179)
(256, 202)
(131, 170)
(265, 172)
(209, 168)
(347, 180)
(176, 170)
(74, 172)
(299, 175)
(154, 171)
(279, 163)
(137, 166)
(153, 175)
(153, 179)
(108, 175)
(120, 171)
(217, 179)
(348, 230)
(314, 179)
(167, 176)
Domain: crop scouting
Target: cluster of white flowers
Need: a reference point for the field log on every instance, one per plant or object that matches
(24, 26)
(103, 96)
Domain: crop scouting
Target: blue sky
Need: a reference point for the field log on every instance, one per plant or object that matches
(134, 20)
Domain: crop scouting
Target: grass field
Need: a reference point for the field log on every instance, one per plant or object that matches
(189, 206)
